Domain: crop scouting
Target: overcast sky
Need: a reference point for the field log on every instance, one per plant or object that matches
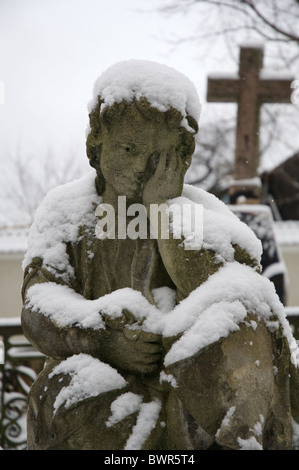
(51, 52)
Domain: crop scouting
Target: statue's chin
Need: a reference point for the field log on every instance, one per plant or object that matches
(134, 194)
(134, 198)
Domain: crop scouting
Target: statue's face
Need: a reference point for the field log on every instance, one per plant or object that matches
(130, 152)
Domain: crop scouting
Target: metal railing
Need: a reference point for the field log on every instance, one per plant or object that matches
(19, 365)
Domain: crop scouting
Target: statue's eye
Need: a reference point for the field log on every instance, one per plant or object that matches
(128, 148)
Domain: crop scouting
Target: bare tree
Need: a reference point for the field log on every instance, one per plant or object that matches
(271, 20)
(25, 180)
(229, 23)
(212, 163)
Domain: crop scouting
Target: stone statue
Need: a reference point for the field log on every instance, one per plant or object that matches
(151, 342)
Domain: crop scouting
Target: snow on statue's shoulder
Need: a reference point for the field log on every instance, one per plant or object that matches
(221, 227)
(161, 85)
(57, 219)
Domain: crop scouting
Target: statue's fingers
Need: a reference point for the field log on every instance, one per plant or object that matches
(134, 334)
(163, 162)
(149, 337)
(129, 317)
(173, 160)
(149, 348)
(146, 368)
(149, 359)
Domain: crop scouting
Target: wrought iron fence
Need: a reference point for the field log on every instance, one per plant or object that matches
(19, 365)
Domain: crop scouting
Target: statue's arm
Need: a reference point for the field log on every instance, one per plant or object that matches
(113, 343)
(188, 269)
(55, 341)
(43, 332)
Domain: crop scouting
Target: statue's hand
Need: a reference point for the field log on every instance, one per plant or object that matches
(131, 349)
(167, 180)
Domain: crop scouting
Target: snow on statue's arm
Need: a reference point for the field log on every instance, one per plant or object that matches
(194, 252)
(59, 321)
(47, 318)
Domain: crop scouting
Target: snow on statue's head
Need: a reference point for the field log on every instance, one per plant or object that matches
(158, 93)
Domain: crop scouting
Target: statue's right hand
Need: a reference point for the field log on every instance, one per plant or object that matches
(131, 349)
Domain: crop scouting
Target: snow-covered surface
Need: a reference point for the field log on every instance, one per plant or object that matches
(221, 228)
(64, 306)
(224, 76)
(10, 321)
(56, 222)
(146, 422)
(90, 377)
(67, 207)
(67, 308)
(226, 420)
(218, 307)
(168, 378)
(255, 181)
(249, 444)
(210, 312)
(161, 85)
(123, 406)
(15, 240)
(213, 310)
(270, 74)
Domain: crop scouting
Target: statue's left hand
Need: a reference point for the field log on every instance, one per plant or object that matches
(167, 181)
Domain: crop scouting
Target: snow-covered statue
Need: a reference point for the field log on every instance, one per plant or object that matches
(155, 338)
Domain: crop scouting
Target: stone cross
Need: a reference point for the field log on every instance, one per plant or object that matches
(250, 92)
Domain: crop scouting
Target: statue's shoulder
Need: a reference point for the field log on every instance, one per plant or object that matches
(208, 200)
(69, 204)
(223, 231)
(75, 195)
(58, 218)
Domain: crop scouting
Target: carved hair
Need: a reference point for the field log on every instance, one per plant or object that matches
(97, 119)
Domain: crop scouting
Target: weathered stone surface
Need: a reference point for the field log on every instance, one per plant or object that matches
(236, 374)
(234, 391)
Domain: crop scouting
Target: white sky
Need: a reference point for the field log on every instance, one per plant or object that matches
(51, 52)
